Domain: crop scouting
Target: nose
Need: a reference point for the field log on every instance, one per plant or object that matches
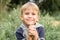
(30, 15)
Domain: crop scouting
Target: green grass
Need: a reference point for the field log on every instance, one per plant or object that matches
(10, 22)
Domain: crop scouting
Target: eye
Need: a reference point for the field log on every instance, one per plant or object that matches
(27, 13)
(33, 14)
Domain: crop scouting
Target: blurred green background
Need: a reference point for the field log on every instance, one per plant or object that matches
(10, 18)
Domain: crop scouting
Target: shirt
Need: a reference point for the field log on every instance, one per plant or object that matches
(21, 33)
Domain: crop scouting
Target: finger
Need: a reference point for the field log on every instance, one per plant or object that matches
(31, 30)
(32, 25)
(29, 33)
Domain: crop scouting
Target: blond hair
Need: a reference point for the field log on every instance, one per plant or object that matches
(29, 4)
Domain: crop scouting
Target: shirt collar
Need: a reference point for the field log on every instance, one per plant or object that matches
(37, 25)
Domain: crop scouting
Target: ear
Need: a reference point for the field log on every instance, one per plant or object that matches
(21, 17)
(37, 19)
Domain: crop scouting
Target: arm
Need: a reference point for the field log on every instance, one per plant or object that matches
(32, 32)
(36, 38)
(33, 38)
(19, 34)
(29, 38)
(41, 33)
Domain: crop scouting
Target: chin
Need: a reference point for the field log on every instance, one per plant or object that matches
(30, 23)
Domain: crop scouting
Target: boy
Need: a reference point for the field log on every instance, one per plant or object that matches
(30, 29)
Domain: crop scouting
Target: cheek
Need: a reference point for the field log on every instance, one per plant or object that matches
(36, 18)
(24, 17)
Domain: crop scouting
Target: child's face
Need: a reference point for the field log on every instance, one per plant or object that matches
(30, 16)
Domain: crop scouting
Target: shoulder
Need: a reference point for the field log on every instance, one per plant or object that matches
(41, 31)
(19, 30)
(39, 25)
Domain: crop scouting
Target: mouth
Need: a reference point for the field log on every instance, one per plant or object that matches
(30, 20)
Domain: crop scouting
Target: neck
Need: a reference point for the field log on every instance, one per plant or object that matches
(27, 26)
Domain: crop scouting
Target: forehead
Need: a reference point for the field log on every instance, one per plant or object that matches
(31, 9)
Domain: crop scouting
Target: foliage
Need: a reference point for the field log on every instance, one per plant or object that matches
(50, 6)
(51, 31)
(8, 25)
(10, 22)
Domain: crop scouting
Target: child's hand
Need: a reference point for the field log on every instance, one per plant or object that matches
(32, 31)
